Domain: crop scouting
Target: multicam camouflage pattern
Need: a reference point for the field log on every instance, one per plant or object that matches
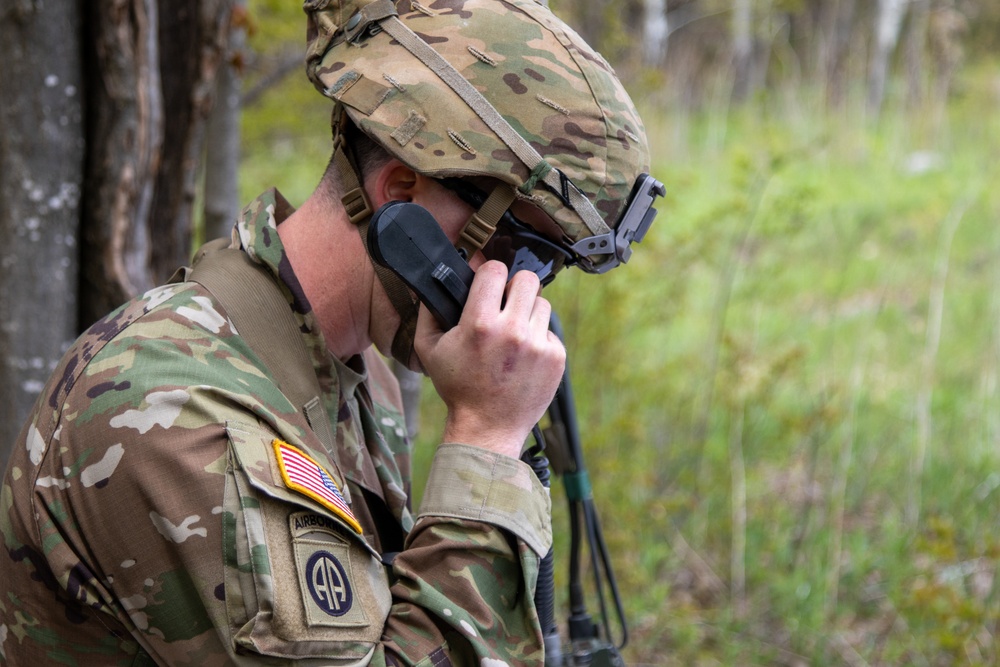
(552, 88)
(144, 520)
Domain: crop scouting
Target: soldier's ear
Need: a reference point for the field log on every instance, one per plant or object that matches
(394, 181)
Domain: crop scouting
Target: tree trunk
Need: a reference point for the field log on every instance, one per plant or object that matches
(742, 58)
(591, 21)
(192, 40)
(222, 143)
(93, 213)
(41, 174)
(654, 32)
(125, 135)
(888, 24)
(946, 29)
(141, 170)
(916, 47)
(837, 26)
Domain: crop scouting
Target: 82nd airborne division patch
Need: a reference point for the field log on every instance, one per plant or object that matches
(328, 571)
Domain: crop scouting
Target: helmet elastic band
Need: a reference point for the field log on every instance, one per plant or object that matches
(511, 241)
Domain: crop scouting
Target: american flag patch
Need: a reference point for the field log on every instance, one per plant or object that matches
(301, 473)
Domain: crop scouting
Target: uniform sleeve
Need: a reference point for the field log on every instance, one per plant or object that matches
(465, 581)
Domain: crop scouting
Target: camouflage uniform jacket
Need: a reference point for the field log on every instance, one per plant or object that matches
(164, 504)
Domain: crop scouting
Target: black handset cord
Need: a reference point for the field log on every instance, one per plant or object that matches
(584, 634)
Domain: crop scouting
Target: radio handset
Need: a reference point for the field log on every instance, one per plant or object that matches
(406, 239)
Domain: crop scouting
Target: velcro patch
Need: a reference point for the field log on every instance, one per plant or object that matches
(327, 582)
(302, 473)
(315, 525)
(413, 124)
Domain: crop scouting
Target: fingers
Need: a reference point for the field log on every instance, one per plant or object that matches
(524, 304)
(523, 310)
(486, 293)
(541, 313)
(521, 294)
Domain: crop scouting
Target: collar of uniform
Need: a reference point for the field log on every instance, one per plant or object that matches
(350, 374)
(257, 228)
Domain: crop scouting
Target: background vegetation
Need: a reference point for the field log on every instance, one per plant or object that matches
(790, 398)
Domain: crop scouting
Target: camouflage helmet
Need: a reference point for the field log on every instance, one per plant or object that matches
(494, 88)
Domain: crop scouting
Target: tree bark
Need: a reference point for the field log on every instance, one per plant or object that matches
(93, 213)
(41, 174)
(191, 41)
(222, 143)
(125, 135)
(141, 170)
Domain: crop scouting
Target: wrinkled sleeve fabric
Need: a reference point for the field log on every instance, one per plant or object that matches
(465, 581)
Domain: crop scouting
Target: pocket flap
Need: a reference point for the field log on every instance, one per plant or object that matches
(302, 582)
(287, 472)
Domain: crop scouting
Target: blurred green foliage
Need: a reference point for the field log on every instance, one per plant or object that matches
(790, 397)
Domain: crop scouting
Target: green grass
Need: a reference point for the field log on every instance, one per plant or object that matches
(790, 398)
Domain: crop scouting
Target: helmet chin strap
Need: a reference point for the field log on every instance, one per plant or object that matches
(483, 223)
(359, 211)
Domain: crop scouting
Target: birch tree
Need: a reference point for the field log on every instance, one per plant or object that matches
(889, 21)
(654, 32)
(41, 176)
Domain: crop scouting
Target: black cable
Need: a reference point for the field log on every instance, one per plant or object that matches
(577, 603)
(583, 510)
(590, 519)
(545, 590)
(609, 575)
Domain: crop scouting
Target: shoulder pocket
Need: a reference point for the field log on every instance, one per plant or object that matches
(300, 581)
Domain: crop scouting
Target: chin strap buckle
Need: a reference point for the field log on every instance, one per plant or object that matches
(355, 199)
(483, 223)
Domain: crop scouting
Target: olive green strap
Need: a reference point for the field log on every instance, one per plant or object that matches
(263, 318)
(359, 211)
(483, 223)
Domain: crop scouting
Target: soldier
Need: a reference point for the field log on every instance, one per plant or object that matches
(183, 494)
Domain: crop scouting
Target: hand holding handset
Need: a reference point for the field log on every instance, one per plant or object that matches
(406, 238)
(498, 374)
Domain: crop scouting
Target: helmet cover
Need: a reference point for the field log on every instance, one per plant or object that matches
(556, 92)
